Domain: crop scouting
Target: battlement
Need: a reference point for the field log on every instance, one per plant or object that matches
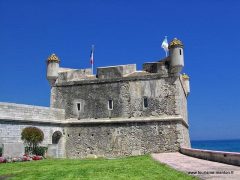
(75, 75)
(115, 73)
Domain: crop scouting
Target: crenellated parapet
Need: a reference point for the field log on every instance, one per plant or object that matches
(169, 66)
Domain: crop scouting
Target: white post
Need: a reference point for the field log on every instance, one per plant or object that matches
(92, 57)
(92, 68)
(166, 53)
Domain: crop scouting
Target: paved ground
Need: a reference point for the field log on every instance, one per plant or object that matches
(198, 167)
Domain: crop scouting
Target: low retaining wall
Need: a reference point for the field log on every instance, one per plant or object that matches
(13, 112)
(232, 158)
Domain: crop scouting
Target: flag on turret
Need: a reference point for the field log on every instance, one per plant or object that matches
(165, 45)
(91, 55)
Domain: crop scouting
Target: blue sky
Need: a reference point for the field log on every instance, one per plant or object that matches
(124, 32)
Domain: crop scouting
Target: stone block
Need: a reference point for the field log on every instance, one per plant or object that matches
(91, 156)
(136, 153)
(74, 75)
(52, 150)
(115, 71)
(13, 149)
(156, 67)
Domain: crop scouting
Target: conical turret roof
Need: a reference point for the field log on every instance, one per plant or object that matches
(53, 58)
(175, 43)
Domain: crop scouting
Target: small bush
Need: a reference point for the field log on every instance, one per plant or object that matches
(39, 150)
(32, 136)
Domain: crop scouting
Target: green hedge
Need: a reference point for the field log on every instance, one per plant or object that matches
(39, 150)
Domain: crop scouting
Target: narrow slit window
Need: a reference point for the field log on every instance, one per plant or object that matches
(110, 104)
(78, 106)
(180, 51)
(145, 102)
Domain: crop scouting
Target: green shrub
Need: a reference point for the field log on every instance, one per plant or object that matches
(39, 150)
(32, 136)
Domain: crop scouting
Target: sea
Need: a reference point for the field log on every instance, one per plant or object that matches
(218, 145)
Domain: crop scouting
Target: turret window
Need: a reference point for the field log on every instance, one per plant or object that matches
(180, 51)
(110, 104)
(79, 106)
(145, 102)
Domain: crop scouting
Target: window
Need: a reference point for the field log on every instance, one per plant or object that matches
(56, 137)
(145, 102)
(78, 106)
(180, 51)
(110, 104)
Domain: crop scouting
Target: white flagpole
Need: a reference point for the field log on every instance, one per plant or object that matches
(92, 57)
(92, 68)
(166, 51)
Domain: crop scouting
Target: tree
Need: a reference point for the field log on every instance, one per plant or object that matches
(32, 136)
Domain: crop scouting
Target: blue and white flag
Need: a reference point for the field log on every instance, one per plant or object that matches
(165, 45)
(91, 55)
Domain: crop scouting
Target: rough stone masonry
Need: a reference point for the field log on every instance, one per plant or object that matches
(117, 112)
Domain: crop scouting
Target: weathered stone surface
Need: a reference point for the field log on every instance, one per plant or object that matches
(127, 98)
(73, 75)
(52, 151)
(10, 132)
(13, 149)
(28, 112)
(115, 71)
(232, 158)
(124, 139)
(156, 67)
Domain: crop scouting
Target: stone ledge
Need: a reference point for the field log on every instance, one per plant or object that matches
(97, 121)
(232, 158)
(22, 120)
(125, 120)
(28, 106)
(115, 80)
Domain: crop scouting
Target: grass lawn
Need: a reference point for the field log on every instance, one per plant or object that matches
(140, 167)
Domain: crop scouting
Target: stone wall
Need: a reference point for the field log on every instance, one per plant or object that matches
(127, 97)
(73, 75)
(15, 117)
(123, 139)
(10, 132)
(115, 71)
(181, 100)
(30, 113)
(232, 158)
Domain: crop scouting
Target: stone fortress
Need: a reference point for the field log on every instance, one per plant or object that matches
(117, 112)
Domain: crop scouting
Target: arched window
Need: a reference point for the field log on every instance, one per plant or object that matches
(56, 137)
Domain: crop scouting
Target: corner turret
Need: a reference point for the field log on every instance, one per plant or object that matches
(186, 83)
(176, 56)
(52, 68)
